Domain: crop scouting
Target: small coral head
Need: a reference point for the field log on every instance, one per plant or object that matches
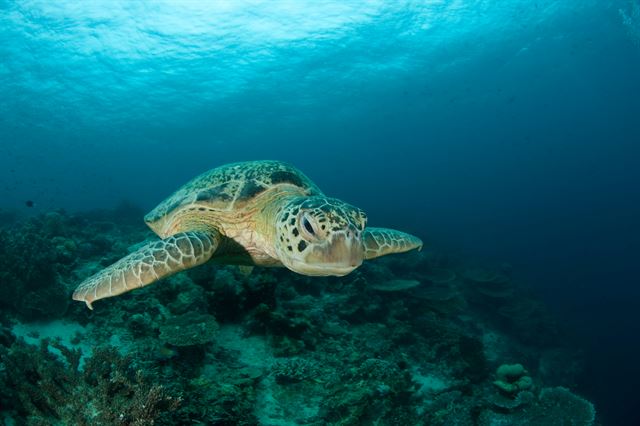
(320, 236)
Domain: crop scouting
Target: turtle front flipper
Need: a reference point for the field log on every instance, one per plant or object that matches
(382, 241)
(155, 260)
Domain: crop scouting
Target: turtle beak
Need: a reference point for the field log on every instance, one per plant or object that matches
(340, 255)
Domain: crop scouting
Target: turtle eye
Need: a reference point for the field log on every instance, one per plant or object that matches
(307, 225)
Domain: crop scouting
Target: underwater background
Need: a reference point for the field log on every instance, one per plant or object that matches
(505, 134)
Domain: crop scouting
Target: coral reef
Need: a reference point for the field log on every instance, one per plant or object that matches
(410, 339)
(32, 257)
(555, 406)
(48, 388)
(294, 370)
(189, 329)
(513, 379)
(42, 257)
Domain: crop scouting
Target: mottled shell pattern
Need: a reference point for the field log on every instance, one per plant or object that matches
(231, 187)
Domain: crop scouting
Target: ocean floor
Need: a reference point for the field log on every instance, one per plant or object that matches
(417, 339)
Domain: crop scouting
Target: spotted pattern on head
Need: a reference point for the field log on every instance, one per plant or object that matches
(322, 216)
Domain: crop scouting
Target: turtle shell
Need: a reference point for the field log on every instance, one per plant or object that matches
(232, 187)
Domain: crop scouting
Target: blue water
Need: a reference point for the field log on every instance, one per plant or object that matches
(507, 130)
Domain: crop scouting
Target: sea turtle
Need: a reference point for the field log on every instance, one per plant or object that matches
(264, 213)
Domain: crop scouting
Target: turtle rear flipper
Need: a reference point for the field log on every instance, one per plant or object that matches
(155, 260)
(382, 241)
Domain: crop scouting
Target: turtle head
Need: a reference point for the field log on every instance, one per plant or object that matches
(320, 236)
